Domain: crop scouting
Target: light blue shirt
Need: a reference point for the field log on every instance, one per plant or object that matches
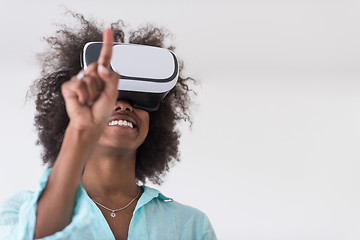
(155, 217)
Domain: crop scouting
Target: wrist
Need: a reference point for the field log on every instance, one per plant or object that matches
(88, 133)
(78, 143)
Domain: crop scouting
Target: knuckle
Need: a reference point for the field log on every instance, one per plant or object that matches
(91, 67)
(65, 85)
(79, 85)
(105, 57)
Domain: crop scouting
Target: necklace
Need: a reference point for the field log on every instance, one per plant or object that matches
(113, 214)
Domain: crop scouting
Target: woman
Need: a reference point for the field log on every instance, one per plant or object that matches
(98, 148)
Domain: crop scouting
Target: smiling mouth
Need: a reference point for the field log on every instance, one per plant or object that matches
(121, 123)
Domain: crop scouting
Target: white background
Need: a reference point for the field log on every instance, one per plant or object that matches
(274, 149)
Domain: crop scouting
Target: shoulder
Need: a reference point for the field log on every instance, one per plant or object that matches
(10, 213)
(165, 210)
(15, 202)
(159, 202)
(168, 208)
(185, 211)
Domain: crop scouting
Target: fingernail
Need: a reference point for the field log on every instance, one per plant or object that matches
(80, 75)
(103, 69)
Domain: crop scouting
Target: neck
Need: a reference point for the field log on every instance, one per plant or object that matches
(110, 174)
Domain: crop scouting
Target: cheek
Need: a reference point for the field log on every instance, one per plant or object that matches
(144, 118)
(146, 124)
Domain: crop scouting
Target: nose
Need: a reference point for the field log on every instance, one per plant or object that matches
(123, 106)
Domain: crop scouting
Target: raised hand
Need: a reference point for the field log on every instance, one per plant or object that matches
(90, 96)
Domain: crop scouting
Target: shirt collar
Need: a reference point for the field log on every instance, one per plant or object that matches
(149, 194)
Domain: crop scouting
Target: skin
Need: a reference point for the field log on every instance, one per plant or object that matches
(98, 156)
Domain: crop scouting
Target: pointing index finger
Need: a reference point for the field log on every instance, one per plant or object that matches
(106, 49)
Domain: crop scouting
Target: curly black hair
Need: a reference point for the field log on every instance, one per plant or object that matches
(61, 61)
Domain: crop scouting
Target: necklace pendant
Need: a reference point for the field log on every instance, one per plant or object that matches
(113, 214)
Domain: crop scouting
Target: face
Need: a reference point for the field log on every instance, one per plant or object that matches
(127, 128)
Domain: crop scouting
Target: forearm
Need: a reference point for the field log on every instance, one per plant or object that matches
(56, 204)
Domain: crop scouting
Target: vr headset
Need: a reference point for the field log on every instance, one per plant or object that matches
(147, 73)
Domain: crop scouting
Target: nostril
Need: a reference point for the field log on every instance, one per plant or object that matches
(126, 109)
(123, 106)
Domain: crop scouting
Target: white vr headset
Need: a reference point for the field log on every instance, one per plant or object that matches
(147, 73)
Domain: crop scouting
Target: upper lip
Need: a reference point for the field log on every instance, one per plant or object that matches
(119, 116)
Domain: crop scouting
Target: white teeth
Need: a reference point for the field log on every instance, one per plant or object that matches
(122, 123)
